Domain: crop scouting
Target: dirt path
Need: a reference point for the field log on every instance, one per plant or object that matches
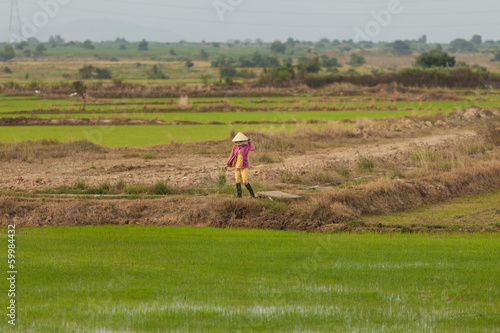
(187, 171)
(368, 150)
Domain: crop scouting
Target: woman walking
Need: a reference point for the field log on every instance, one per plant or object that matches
(239, 161)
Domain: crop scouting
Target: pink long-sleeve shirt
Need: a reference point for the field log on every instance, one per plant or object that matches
(244, 149)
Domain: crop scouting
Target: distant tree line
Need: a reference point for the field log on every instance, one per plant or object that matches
(270, 55)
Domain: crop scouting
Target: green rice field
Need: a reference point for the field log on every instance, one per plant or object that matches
(130, 135)
(33, 104)
(165, 109)
(478, 210)
(150, 279)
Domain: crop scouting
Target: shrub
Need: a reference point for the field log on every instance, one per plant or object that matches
(246, 74)
(266, 158)
(280, 74)
(88, 45)
(102, 73)
(222, 180)
(400, 48)
(461, 45)
(412, 77)
(81, 91)
(312, 66)
(8, 52)
(435, 58)
(225, 72)
(143, 45)
(148, 156)
(357, 60)
(156, 73)
(160, 188)
(330, 62)
(366, 164)
(491, 132)
(118, 82)
(89, 71)
(278, 47)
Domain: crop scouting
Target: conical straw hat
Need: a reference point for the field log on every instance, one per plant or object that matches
(240, 137)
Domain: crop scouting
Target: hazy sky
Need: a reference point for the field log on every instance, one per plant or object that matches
(196, 20)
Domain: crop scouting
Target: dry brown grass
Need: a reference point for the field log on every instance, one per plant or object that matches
(336, 206)
(30, 151)
(458, 153)
(387, 195)
(490, 132)
(184, 103)
(266, 158)
(317, 175)
(321, 211)
(302, 137)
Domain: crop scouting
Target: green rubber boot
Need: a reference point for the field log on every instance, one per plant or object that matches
(250, 189)
(238, 189)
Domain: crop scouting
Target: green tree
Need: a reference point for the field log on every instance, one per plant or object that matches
(225, 72)
(330, 62)
(357, 60)
(476, 40)
(8, 52)
(400, 48)
(22, 45)
(435, 58)
(461, 45)
(204, 55)
(309, 67)
(143, 45)
(280, 74)
(88, 45)
(205, 78)
(278, 47)
(189, 64)
(39, 51)
(86, 72)
(102, 73)
(156, 73)
(81, 90)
